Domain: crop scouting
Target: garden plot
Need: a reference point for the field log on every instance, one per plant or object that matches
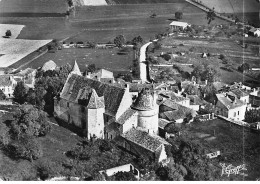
(15, 29)
(12, 50)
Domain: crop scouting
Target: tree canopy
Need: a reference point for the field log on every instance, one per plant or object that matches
(211, 16)
(178, 15)
(8, 33)
(20, 93)
(120, 41)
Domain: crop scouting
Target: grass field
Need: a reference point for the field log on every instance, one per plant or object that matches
(230, 142)
(103, 58)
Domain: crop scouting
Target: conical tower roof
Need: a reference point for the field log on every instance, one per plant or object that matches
(145, 101)
(75, 69)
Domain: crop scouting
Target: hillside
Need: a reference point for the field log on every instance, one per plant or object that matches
(33, 6)
(142, 1)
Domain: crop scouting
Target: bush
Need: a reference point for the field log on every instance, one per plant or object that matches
(4, 134)
(167, 57)
(124, 176)
(27, 147)
(221, 56)
(8, 33)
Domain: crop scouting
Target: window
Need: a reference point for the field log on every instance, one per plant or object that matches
(237, 112)
(234, 114)
(68, 104)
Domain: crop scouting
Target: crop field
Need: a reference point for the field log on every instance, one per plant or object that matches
(12, 50)
(236, 145)
(15, 30)
(232, 6)
(102, 58)
(33, 6)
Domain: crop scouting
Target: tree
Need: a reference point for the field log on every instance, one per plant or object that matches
(244, 67)
(27, 148)
(19, 93)
(252, 116)
(31, 122)
(211, 16)
(2, 95)
(119, 41)
(4, 134)
(211, 74)
(178, 15)
(198, 72)
(192, 90)
(8, 33)
(137, 40)
(124, 176)
(167, 57)
(91, 68)
(192, 156)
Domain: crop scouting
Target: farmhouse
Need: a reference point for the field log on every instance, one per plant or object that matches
(174, 112)
(102, 75)
(122, 168)
(255, 32)
(176, 25)
(176, 98)
(230, 106)
(7, 84)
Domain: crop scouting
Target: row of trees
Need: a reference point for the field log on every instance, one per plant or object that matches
(205, 72)
(120, 41)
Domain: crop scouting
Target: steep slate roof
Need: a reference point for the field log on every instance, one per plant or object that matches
(143, 139)
(174, 115)
(163, 123)
(196, 100)
(170, 103)
(76, 69)
(228, 102)
(173, 96)
(112, 94)
(5, 80)
(126, 115)
(240, 93)
(95, 102)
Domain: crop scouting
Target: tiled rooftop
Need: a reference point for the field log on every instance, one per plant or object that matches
(143, 139)
(112, 94)
(144, 101)
(228, 102)
(163, 123)
(126, 115)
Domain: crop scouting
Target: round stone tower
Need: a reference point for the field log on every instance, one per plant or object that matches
(148, 111)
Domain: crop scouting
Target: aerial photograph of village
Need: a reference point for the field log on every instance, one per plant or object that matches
(129, 90)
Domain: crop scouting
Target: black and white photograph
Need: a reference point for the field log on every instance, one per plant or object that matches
(129, 90)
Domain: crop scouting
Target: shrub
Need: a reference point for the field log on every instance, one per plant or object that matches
(4, 134)
(8, 33)
(27, 147)
(167, 57)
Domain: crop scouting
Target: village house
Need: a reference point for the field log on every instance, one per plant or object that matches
(122, 168)
(7, 85)
(175, 97)
(27, 76)
(102, 75)
(255, 32)
(228, 105)
(176, 25)
(174, 112)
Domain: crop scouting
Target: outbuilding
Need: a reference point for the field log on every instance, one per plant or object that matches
(176, 25)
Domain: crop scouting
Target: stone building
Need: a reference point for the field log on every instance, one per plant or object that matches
(106, 110)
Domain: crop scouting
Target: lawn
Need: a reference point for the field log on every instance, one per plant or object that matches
(228, 139)
(102, 58)
(15, 30)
